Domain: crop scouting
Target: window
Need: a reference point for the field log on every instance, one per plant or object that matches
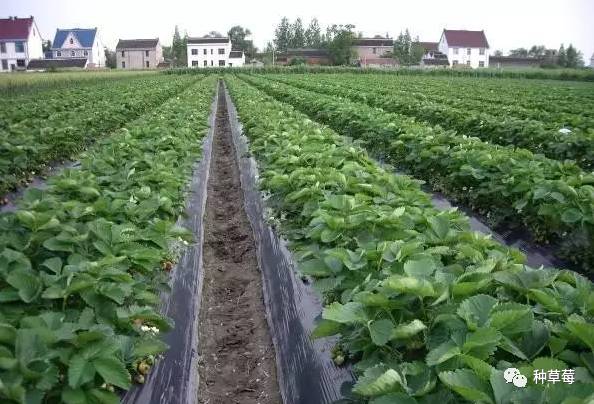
(481, 51)
(230, 64)
(194, 52)
(4, 64)
(221, 51)
(468, 63)
(481, 64)
(204, 50)
(205, 62)
(455, 62)
(455, 51)
(146, 53)
(195, 62)
(211, 63)
(123, 53)
(123, 64)
(21, 62)
(374, 51)
(71, 41)
(58, 54)
(2, 47)
(19, 47)
(72, 53)
(468, 51)
(86, 53)
(221, 63)
(148, 64)
(211, 51)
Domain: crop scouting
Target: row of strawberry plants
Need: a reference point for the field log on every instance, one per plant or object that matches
(427, 309)
(531, 135)
(581, 116)
(554, 200)
(37, 131)
(83, 261)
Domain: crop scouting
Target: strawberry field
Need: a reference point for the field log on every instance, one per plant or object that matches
(414, 305)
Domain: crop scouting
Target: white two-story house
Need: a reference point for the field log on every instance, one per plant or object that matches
(213, 52)
(79, 43)
(469, 48)
(20, 41)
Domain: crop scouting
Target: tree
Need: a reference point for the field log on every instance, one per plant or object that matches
(407, 51)
(562, 56)
(238, 35)
(574, 58)
(340, 47)
(178, 49)
(282, 35)
(537, 51)
(519, 52)
(498, 53)
(110, 58)
(298, 35)
(313, 35)
(214, 34)
(46, 46)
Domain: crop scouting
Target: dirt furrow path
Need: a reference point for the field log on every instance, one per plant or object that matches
(237, 361)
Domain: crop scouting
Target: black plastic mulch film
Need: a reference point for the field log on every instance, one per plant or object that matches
(305, 371)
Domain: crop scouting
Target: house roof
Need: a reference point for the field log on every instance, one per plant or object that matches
(309, 52)
(373, 42)
(206, 40)
(429, 46)
(15, 28)
(35, 64)
(137, 43)
(235, 54)
(85, 37)
(516, 59)
(469, 39)
(436, 62)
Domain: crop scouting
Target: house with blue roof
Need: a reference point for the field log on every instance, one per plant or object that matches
(79, 43)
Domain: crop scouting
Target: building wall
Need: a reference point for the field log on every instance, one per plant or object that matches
(211, 58)
(367, 52)
(32, 49)
(137, 58)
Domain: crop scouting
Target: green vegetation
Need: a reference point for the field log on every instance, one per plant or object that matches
(42, 128)
(83, 261)
(427, 309)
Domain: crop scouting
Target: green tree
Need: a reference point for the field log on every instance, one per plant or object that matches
(407, 51)
(238, 35)
(574, 58)
(498, 53)
(46, 46)
(519, 52)
(313, 34)
(178, 49)
(340, 47)
(283, 35)
(110, 58)
(562, 56)
(416, 52)
(298, 35)
(537, 51)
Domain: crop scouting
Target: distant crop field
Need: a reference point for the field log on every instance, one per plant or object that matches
(15, 83)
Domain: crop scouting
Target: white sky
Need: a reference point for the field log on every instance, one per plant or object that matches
(507, 23)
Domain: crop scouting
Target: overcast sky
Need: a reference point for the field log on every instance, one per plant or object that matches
(507, 23)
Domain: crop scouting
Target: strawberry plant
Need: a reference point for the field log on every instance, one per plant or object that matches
(426, 309)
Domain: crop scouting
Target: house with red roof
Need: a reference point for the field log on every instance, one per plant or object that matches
(466, 48)
(20, 41)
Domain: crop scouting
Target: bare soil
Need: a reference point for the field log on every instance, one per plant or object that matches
(237, 361)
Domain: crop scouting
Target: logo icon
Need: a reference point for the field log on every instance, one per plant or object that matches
(513, 375)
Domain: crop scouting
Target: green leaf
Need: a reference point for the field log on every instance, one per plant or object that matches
(467, 384)
(501, 389)
(7, 334)
(378, 380)
(54, 264)
(113, 371)
(27, 284)
(440, 225)
(582, 330)
(420, 269)
(571, 215)
(80, 371)
(475, 310)
(381, 331)
(482, 343)
(442, 353)
(151, 346)
(394, 398)
(480, 367)
(315, 267)
(349, 313)
(74, 396)
(512, 318)
(104, 396)
(403, 331)
(414, 286)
